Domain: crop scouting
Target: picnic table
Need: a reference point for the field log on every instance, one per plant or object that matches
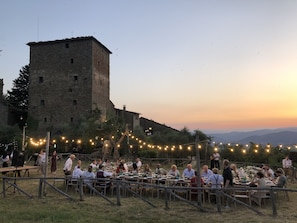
(16, 169)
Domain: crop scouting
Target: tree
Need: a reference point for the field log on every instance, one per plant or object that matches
(18, 97)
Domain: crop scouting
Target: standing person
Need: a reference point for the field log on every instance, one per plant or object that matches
(54, 162)
(68, 165)
(228, 179)
(216, 160)
(42, 161)
(287, 165)
(5, 160)
(211, 162)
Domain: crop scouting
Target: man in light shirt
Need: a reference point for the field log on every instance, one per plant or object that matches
(189, 172)
(68, 165)
(287, 165)
(206, 173)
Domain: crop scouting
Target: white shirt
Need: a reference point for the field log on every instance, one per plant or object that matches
(77, 173)
(42, 158)
(216, 156)
(287, 163)
(68, 164)
(139, 164)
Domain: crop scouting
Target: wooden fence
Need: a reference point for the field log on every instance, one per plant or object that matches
(167, 193)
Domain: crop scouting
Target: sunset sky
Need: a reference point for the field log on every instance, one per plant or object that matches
(210, 65)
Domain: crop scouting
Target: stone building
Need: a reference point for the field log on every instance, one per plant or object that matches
(68, 78)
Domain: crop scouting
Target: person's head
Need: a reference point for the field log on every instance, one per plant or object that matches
(189, 166)
(158, 165)
(233, 166)
(260, 174)
(211, 157)
(205, 168)
(174, 167)
(90, 168)
(137, 159)
(215, 170)
(72, 156)
(100, 167)
(146, 167)
(54, 152)
(94, 162)
(226, 163)
(279, 171)
(287, 157)
(99, 161)
(266, 167)
(78, 162)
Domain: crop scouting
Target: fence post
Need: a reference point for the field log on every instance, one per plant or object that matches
(274, 212)
(166, 199)
(40, 187)
(4, 188)
(118, 192)
(81, 189)
(218, 200)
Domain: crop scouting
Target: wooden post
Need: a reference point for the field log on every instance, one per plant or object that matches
(218, 200)
(4, 187)
(81, 190)
(166, 199)
(40, 187)
(118, 192)
(48, 136)
(274, 212)
(198, 171)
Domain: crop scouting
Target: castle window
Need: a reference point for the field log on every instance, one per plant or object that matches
(74, 102)
(71, 119)
(42, 102)
(45, 120)
(40, 79)
(75, 78)
(67, 45)
(71, 60)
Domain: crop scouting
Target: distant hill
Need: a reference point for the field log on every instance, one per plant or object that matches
(285, 136)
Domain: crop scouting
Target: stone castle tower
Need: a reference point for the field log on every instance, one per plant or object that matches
(68, 78)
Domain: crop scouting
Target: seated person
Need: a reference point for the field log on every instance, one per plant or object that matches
(268, 172)
(102, 173)
(120, 169)
(281, 179)
(173, 171)
(147, 169)
(134, 168)
(94, 165)
(194, 182)
(159, 170)
(260, 183)
(234, 171)
(77, 172)
(206, 173)
(215, 180)
(189, 172)
(88, 176)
